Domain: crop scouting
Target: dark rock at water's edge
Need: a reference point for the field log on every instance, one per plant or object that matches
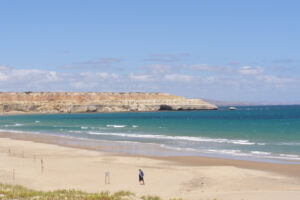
(81, 102)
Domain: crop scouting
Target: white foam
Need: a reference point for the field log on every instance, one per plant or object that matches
(84, 127)
(284, 157)
(17, 131)
(115, 126)
(229, 152)
(16, 124)
(184, 138)
(74, 131)
(289, 155)
(244, 142)
(36, 121)
(10, 131)
(260, 153)
(177, 148)
(224, 151)
(134, 126)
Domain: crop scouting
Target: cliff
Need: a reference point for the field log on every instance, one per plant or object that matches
(73, 102)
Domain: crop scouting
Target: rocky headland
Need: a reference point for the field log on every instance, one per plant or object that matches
(76, 102)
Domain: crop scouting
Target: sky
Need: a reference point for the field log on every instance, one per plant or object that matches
(223, 50)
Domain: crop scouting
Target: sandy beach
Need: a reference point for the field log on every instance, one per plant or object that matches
(190, 178)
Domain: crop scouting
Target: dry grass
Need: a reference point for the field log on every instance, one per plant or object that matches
(15, 192)
(20, 192)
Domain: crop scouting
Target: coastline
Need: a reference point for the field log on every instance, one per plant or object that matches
(129, 147)
(237, 136)
(188, 177)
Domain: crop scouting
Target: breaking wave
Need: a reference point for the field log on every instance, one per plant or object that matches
(184, 138)
(115, 126)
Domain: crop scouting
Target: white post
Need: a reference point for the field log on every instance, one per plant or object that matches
(107, 178)
(42, 165)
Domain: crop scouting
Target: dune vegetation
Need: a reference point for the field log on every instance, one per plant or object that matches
(20, 192)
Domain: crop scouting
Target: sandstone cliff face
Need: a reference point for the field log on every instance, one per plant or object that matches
(73, 102)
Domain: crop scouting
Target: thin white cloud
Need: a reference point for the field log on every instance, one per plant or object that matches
(278, 80)
(2, 68)
(178, 77)
(25, 75)
(248, 70)
(143, 77)
(3, 77)
(202, 67)
(83, 85)
(159, 69)
(209, 68)
(101, 75)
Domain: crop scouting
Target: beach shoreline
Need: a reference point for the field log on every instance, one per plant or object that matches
(186, 177)
(286, 168)
(129, 147)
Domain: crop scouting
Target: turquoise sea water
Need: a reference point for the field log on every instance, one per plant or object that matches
(256, 132)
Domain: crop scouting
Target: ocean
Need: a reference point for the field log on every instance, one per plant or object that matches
(259, 133)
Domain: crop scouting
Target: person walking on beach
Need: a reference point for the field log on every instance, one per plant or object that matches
(141, 177)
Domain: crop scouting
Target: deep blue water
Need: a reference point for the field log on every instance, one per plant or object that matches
(268, 132)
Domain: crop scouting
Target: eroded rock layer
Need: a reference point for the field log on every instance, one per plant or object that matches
(75, 102)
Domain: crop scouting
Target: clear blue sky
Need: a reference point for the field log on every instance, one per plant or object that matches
(225, 50)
